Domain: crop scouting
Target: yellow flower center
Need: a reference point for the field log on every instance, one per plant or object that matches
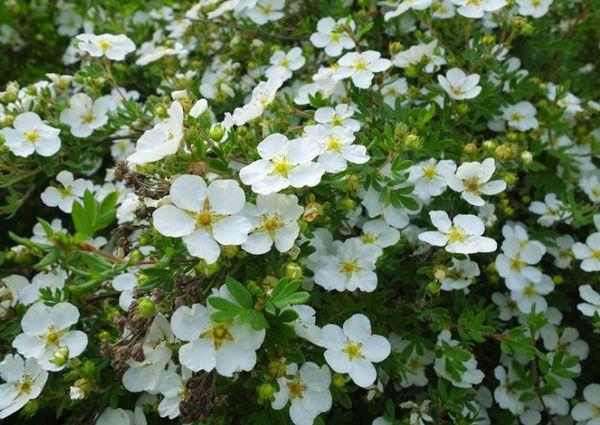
(529, 291)
(25, 386)
(349, 267)
(65, 191)
(89, 117)
(353, 350)
(284, 62)
(596, 254)
(52, 338)
(282, 166)
(272, 223)
(516, 264)
(334, 143)
(296, 388)
(335, 37)
(219, 333)
(104, 45)
(31, 136)
(429, 172)
(472, 185)
(457, 91)
(414, 363)
(456, 234)
(516, 117)
(368, 238)
(360, 65)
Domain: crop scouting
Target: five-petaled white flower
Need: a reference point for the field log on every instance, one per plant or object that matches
(361, 67)
(24, 381)
(47, 336)
(591, 307)
(521, 116)
(331, 36)
(462, 235)
(282, 63)
(589, 252)
(472, 179)
(72, 191)
(458, 85)
(477, 8)
(30, 134)
(353, 349)
(274, 219)
(283, 163)
(307, 391)
(204, 216)
(337, 148)
(431, 177)
(85, 115)
(534, 8)
(588, 412)
(227, 347)
(551, 210)
(114, 47)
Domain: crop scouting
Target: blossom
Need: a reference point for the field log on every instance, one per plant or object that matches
(476, 9)
(431, 177)
(506, 394)
(551, 210)
(307, 391)
(340, 116)
(462, 235)
(30, 134)
(283, 163)
(125, 283)
(111, 416)
(282, 64)
(145, 375)
(72, 191)
(521, 116)
(589, 252)
(396, 217)
(10, 290)
(534, 8)
(508, 308)
(361, 67)
(414, 55)
(85, 115)
(24, 381)
(460, 275)
(52, 280)
(47, 336)
(588, 411)
(379, 233)
(516, 263)
(591, 186)
(227, 347)
(274, 220)
(562, 252)
(305, 325)
(591, 307)
(337, 148)
(114, 47)
(416, 361)
(173, 387)
(350, 268)
(469, 376)
(532, 294)
(162, 140)
(204, 216)
(419, 414)
(406, 5)
(265, 11)
(458, 85)
(331, 36)
(472, 179)
(353, 349)
(391, 91)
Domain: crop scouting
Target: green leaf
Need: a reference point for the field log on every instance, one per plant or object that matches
(224, 305)
(239, 292)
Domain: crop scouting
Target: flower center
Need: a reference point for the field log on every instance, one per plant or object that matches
(104, 45)
(516, 117)
(65, 191)
(296, 388)
(456, 234)
(282, 166)
(457, 91)
(472, 185)
(360, 65)
(349, 267)
(335, 37)
(32, 136)
(429, 172)
(368, 238)
(516, 264)
(414, 363)
(353, 350)
(272, 223)
(89, 117)
(284, 63)
(596, 254)
(204, 219)
(219, 333)
(25, 386)
(52, 337)
(334, 143)
(529, 291)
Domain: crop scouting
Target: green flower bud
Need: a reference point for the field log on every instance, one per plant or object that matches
(526, 157)
(347, 204)
(265, 392)
(60, 356)
(207, 269)
(276, 369)
(146, 307)
(217, 132)
(293, 270)
(338, 380)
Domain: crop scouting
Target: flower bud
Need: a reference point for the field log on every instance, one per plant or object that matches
(470, 148)
(276, 369)
(526, 157)
(293, 270)
(395, 48)
(347, 204)
(60, 357)
(490, 145)
(338, 380)
(217, 132)
(207, 270)
(146, 307)
(265, 392)
(229, 251)
(489, 40)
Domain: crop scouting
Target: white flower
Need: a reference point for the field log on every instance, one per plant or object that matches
(353, 349)
(265, 11)
(462, 235)
(472, 179)
(125, 283)
(30, 134)
(361, 67)
(431, 177)
(419, 415)
(173, 388)
(391, 91)
(306, 389)
(471, 376)
(145, 375)
(567, 342)
(11, 288)
(534, 8)
(415, 54)
(46, 336)
(477, 8)
(121, 417)
(274, 219)
(341, 116)
(379, 233)
(562, 253)
(521, 116)
(589, 252)
(305, 325)
(551, 210)
(396, 217)
(516, 261)
(508, 308)
(114, 47)
(331, 36)
(406, 5)
(592, 306)
(76, 393)
(39, 234)
(533, 294)
(506, 395)
(282, 64)
(52, 280)
(588, 412)
(227, 347)
(85, 115)
(284, 163)
(460, 275)
(445, 10)
(204, 216)
(162, 140)
(416, 361)
(24, 381)
(337, 148)
(569, 101)
(458, 85)
(350, 268)
(71, 191)
(591, 186)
